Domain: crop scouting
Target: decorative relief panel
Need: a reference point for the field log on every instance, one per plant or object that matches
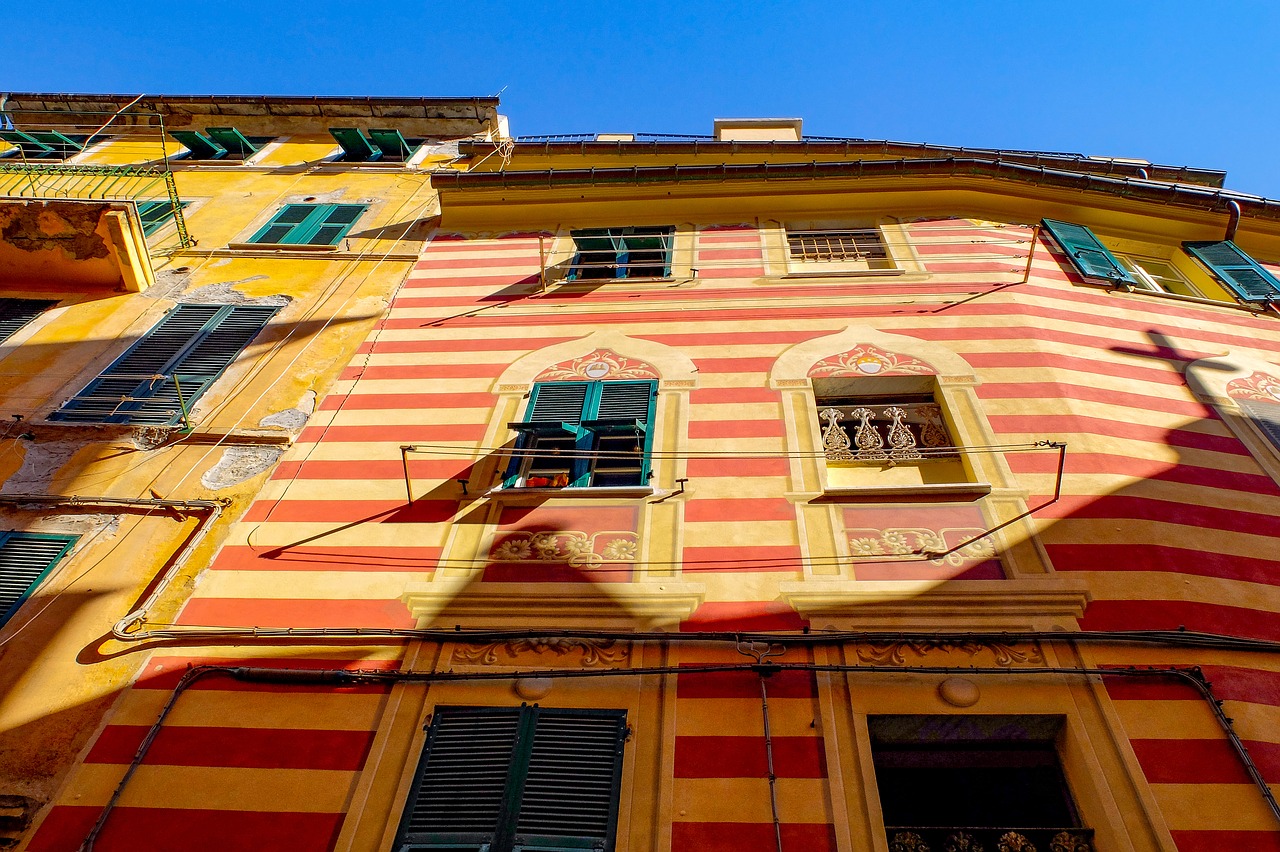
(909, 541)
(598, 365)
(578, 549)
(1261, 387)
(999, 654)
(592, 652)
(867, 360)
(897, 543)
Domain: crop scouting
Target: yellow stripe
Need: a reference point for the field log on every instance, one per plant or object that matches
(707, 717)
(218, 709)
(1163, 720)
(215, 788)
(317, 585)
(747, 800)
(1214, 807)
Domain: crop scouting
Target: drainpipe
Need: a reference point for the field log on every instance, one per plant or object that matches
(1233, 220)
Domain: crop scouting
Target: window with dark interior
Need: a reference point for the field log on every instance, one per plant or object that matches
(969, 782)
(855, 250)
(15, 313)
(498, 779)
(580, 434)
(621, 253)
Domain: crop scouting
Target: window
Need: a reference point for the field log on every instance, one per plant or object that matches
(578, 434)
(156, 214)
(1159, 276)
(981, 776)
(159, 378)
(1087, 254)
(219, 143)
(496, 779)
(383, 145)
(309, 224)
(42, 144)
(872, 424)
(15, 313)
(1241, 274)
(825, 251)
(621, 253)
(25, 559)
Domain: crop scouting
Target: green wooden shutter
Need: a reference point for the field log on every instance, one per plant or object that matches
(193, 345)
(200, 146)
(597, 253)
(355, 147)
(155, 214)
(335, 224)
(1266, 416)
(283, 223)
(1089, 256)
(61, 145)
(25, 559)
(236, 143)
(1237, 270)
(392, 143)
(561, 402)
(309, 224)
(27, 144)
(625, 400)
(648, 252)
(15, 313)
(619, 416)
(519, 777)
(570, 796)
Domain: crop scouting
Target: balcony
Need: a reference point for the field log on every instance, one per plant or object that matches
(917, 839)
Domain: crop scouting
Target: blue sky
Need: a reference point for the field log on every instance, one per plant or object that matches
(1174, 82)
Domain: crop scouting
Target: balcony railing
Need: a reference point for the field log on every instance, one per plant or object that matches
(903, 839)
(901, 432)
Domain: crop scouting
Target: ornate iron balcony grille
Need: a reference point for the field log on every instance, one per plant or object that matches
(904, 839)
(861, 245)
(884, 433)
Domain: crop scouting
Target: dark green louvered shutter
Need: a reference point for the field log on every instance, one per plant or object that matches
(392, 143)
(355, 147)
(199, 146)
(510, 778)
(625, 400)
(647, 252)
(1266, 416)
(154, 215)
(15, 313)
(309, 224)
(236, 143)
(27, 144)
(193, 344)
(25, 558)
(560, 402)
(1237, 270)
(620, 419)
(1089, 256)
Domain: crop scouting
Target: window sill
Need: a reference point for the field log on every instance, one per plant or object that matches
(538, 495)
(903, 493)
(275, 247)
(847, 273)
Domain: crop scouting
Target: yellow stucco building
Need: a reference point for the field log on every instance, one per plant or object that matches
(416, 487)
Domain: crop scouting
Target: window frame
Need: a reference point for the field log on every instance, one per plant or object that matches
(504, 837)
(587, 431)
(304, 231)
(621, 251)
(7, 536)
(1145, 280)
(1226, 273)
(804, 266)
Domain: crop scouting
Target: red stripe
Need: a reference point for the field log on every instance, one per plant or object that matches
(395, 401)
(422, 280)
(1122, 688)
(752, 837)
(729, 254)
(1159, 471)
(737, 467)
(1158, 557)
(241, 748)
(164, 673)
(359, 470)
(1062, 390)
(736, 395)
(1173, 615)
(346, 558)
(730, 338)
(734, 365)
(1205, 761)
(743, 615)
(744, 684)
(551, 517)
(478, 344)
(741, 272)
(740, 509)
(745, 757)
(1224, 841)
(1163, 374)
(351, 511)
(423, 371)
(400, 434)
(1163, 309)
(737, 428)
(555, 572)
(478, 260)
(1061, 425)
(250, 612)
(131, 829)
(1147, 509)
(763, 557)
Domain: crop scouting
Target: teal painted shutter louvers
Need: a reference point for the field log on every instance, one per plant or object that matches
(15, 313)
(309, 224)
(169, 368)
(199, 146)
(392, 143)
(155, 214)
(622, 253)
(1089, 256)
(355, 147)
(25, 560)
(235, 142)
(1239, 272)
(504, 778)
(27, 145)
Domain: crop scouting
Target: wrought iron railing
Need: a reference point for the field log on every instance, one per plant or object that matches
(902, 839)
(885, 433)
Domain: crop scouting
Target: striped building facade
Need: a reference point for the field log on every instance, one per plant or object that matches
(934, 535)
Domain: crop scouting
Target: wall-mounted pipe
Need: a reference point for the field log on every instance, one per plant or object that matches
(1233, 218)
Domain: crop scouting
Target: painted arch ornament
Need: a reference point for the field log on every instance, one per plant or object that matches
(867, 360)
(598, 365)
(1260, 387)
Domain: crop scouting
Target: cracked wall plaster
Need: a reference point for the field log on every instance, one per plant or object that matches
(239, 464)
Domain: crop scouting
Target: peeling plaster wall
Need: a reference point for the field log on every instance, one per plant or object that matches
(239, 464)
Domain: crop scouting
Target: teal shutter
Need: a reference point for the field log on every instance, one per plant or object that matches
(25, 559)
(1237, 270)
(169, 368)
(62, 146)
(355, 147)
(27, 144)
(309, 224)
(1266, 416)
(1089, 256)
(392, 143)
(620, 418)
(155, 214)
(199, 145)
(516, 778)
(648, 252)
(15, 313)
(622, 253)
(236, 143)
